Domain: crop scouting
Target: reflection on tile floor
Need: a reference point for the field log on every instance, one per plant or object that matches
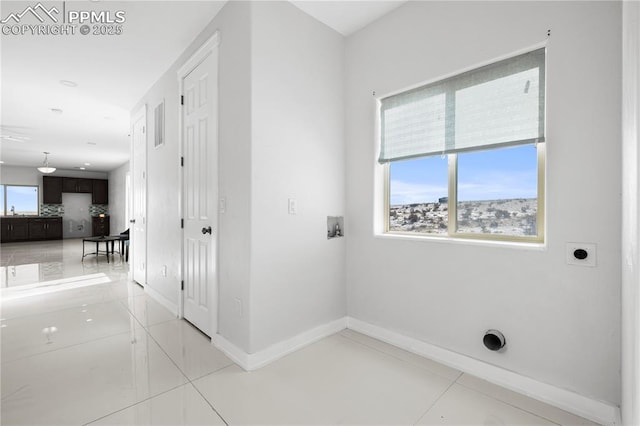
(81, 344)
(28, 263)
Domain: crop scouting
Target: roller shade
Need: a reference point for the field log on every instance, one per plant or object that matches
(500, 104)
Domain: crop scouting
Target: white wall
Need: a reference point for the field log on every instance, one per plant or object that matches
(631, 215)
(234, 113)
(281, 136)
(14, 175)
(163, 172)
(297, 275)
(562, 323)
(117, 199)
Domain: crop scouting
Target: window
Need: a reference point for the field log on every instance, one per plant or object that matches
(464, 156)
(19, 200)
(158, 116)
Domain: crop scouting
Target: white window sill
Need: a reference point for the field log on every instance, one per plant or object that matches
(516, 245)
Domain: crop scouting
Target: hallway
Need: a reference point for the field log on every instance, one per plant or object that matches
(81, 344)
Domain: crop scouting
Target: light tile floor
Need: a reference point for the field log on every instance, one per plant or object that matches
(81, 344)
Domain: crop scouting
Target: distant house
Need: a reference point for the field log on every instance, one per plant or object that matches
(443, 200)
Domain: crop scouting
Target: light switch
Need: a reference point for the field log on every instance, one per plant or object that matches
(223, 205)
(293, 206)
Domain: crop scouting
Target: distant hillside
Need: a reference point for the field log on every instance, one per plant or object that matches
(508, 217)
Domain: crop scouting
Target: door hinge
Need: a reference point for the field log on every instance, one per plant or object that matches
(182, 223)
(182, 285)
(181, 161)
(181, 99)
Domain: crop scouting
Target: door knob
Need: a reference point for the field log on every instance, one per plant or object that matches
(206, 230)
(132, 221)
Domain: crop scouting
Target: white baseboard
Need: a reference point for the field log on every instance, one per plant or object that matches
(597, 411)
(162, 300)
(266, 356)
(237, 355)
(572, 402)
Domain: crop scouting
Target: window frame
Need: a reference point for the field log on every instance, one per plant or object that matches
(452, 206)
(4, 198)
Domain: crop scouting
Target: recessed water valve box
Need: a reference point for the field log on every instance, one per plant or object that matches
(335, 227)
(581, 254)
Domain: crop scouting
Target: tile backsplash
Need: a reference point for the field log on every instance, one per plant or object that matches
(58, 209)
(51, 209)
(96, 209)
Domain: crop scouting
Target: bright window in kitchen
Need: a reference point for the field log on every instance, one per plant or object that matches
(19, 200)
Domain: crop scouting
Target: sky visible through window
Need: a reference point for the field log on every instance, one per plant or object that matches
(497, 174)
(24, 199)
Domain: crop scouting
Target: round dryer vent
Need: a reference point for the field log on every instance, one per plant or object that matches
(493, 340)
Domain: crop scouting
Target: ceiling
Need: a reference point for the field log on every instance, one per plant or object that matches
(71, 95)
(347, 17)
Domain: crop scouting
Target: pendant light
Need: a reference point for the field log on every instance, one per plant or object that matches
(45, 166)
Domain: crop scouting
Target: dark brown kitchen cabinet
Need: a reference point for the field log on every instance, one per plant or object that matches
(45, 228)
(85, 185)
(14, 229)
(37, 229)
(78, 185)
(54, 186)
(52, 189)
(5, 230)
(99, 226)
(100, 193)
(69, 184)
(54, 228)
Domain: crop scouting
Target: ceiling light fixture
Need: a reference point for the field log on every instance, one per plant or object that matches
(45, 166)
(68, 83)
(10, 138)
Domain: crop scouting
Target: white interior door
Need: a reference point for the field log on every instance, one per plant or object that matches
(200, 193)
(127, 197)
(138, 221)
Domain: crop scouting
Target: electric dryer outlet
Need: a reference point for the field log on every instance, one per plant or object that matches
(581, 254)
